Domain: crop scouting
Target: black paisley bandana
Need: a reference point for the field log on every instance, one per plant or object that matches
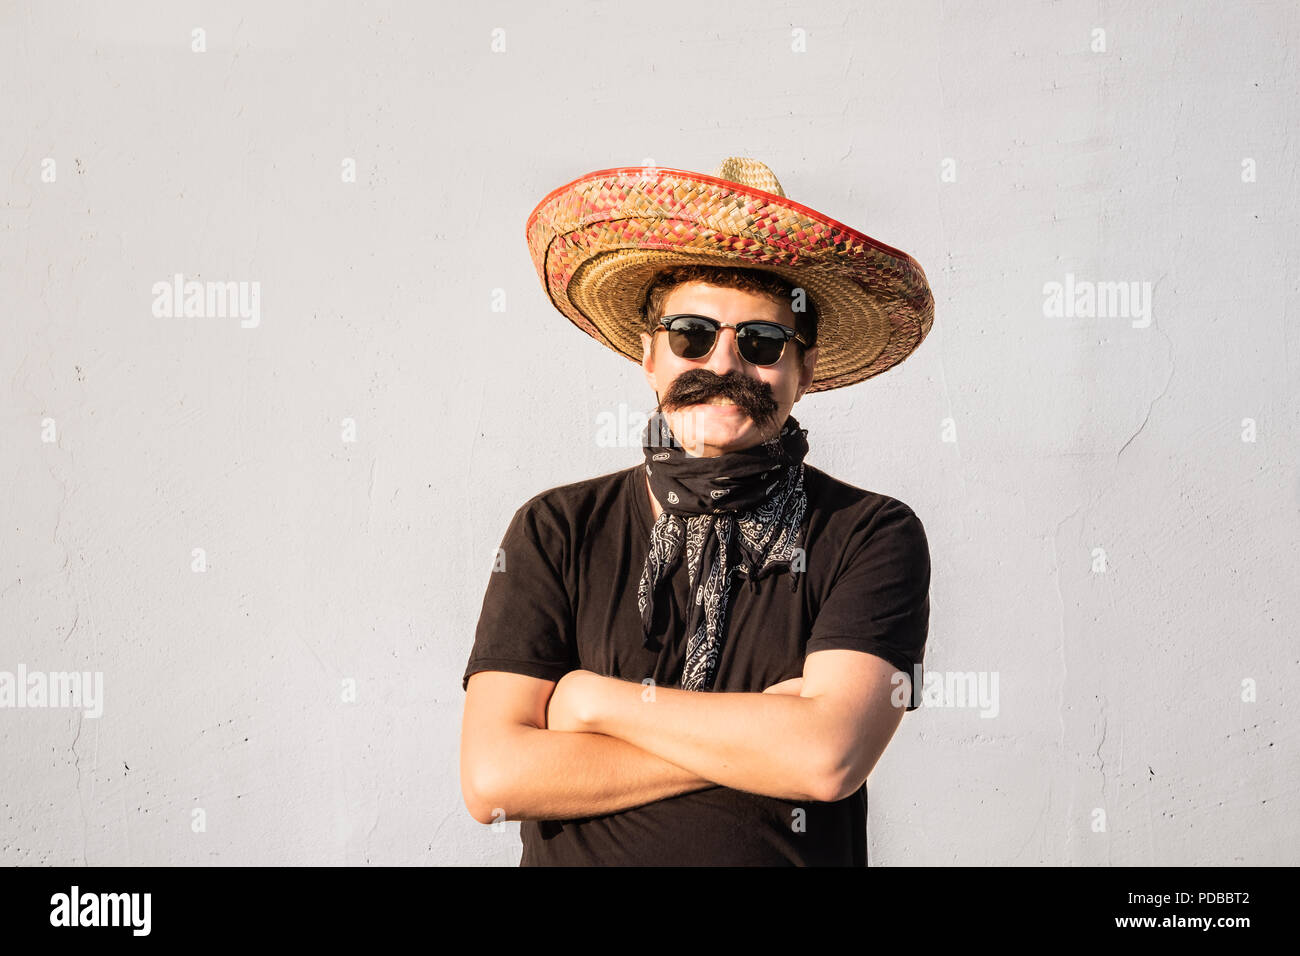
(737, 512)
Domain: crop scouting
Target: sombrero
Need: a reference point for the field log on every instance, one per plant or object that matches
(599, 242)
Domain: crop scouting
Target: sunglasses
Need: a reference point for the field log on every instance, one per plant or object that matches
(759, 343)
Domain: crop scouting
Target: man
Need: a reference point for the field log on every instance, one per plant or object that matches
(698, 660)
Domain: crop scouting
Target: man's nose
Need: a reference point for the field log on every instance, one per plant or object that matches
(724, 357)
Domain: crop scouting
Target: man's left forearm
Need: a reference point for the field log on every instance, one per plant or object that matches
(769, 744)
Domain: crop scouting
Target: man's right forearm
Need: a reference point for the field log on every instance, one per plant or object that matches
(552, 775)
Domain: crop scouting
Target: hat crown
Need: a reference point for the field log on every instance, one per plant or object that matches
(749, 172)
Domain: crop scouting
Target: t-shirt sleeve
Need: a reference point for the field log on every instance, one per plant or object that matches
(880, 600)
(526, 623)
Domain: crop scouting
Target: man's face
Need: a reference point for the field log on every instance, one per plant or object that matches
(722, 403)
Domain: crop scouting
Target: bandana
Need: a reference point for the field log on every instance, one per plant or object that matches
(739, 512)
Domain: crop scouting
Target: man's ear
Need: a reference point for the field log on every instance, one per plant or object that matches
(806, 370)
(647, 357)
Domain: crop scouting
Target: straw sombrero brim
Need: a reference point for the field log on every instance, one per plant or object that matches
(599, 242)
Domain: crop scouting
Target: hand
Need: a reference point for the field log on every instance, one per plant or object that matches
(571, 706)
(793, 687)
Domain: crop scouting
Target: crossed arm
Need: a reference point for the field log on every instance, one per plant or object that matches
(595, 744)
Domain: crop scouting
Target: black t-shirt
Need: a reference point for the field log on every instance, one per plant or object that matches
(566, 599)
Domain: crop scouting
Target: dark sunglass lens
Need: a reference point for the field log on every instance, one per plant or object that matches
(690, 338)
(762, 344)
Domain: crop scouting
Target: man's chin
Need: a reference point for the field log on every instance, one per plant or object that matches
(729, 430)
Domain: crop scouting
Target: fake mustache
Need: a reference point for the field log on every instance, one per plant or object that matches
(696, 386)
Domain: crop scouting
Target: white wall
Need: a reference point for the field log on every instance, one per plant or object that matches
(329, 560)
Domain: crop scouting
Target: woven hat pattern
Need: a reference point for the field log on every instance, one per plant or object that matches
(599, 242)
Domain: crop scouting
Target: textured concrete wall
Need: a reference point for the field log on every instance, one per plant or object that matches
(1112, 501)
